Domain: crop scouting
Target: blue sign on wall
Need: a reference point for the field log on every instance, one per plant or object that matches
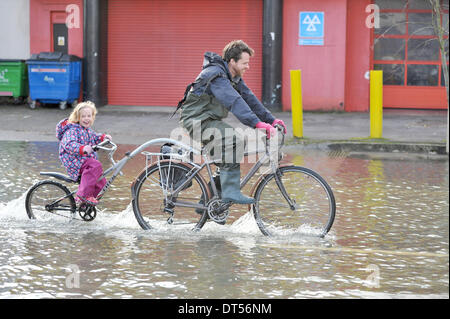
(311, 28)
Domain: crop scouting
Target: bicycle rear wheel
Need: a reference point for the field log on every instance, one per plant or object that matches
(153, 200)
(311, 210)
(49, 199)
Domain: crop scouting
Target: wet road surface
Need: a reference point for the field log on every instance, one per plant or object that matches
(389, 240)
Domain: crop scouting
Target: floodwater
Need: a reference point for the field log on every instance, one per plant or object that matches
(389, 240)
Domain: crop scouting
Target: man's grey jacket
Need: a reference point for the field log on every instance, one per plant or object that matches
(214, 93)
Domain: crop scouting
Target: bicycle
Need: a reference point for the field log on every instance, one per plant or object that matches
(171, 191)
(50, 196)
(175, 184)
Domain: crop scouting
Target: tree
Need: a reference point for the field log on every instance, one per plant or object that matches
(440, 32)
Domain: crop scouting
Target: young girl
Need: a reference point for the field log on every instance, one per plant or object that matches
(76, 153)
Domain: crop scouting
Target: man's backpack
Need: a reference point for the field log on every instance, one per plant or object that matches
(190, 86)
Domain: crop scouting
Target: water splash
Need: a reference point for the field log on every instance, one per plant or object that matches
(15, 209)
(123, 219)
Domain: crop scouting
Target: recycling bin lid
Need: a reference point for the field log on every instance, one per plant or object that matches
(11, 60)
(54, 56)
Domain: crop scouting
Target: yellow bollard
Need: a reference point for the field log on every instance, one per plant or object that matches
(297, 104)
(376, 104)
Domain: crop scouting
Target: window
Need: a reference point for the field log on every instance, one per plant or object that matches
(405, 45)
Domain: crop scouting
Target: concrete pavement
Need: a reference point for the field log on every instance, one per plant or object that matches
(403, 130)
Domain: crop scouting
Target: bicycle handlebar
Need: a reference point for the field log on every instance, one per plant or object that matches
(110, 150)
(101, 146)
(280, 129)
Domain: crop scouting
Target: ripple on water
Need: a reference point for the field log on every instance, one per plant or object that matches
(389, 240)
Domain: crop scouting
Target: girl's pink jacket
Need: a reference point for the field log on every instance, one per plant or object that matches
(73, 137)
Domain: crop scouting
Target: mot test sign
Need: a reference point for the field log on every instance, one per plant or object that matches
(311, 28)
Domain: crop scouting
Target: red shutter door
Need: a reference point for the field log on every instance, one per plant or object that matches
(156, 47)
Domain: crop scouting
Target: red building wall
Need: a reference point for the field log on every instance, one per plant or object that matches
(45, 12)
(323, 67)
(357, 57)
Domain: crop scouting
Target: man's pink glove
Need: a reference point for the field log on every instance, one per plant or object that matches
(280, 122)
(270, 131)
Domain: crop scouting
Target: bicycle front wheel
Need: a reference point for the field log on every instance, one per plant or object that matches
(49, 199)
(154, 205)
(303, 203)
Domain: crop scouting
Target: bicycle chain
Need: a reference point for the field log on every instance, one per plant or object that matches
(75, 214)
(70, 217)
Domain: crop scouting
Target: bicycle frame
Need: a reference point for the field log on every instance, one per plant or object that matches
(117, 167)
(197, 168)
(206, 162)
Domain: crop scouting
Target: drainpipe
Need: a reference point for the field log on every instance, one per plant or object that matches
(94, 68)
(272, 44)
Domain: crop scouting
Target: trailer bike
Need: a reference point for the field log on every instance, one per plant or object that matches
(171, 191)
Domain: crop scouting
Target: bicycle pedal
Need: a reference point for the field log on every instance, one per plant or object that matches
(169, 210)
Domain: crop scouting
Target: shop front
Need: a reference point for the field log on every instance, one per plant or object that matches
(407, 50)
(145, 52)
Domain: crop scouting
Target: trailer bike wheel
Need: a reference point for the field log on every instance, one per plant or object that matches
(49, 199)
(153, 202)
(312, 208)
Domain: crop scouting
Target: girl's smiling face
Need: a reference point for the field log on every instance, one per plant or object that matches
(86, 117)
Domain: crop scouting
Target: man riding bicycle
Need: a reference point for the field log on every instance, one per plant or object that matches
(218, 89)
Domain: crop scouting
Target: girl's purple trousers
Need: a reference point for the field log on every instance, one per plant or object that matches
(91, 170)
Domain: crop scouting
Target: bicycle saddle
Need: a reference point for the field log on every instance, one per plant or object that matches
(59, 176)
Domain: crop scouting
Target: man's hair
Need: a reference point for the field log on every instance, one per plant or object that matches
(234, 49)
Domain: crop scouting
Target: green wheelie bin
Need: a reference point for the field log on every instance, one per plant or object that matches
(14, 79)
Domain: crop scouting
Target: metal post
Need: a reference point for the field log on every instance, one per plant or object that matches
(94, 84)
(376, 104)
(446, 146)
(272, 44)
(297, 103)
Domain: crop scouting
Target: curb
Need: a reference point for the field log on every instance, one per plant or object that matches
(392, 148)
(383, 147)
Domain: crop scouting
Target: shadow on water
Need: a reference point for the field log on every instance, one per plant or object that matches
(389, 240)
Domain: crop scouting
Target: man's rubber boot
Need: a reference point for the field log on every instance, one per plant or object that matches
(230, 183)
